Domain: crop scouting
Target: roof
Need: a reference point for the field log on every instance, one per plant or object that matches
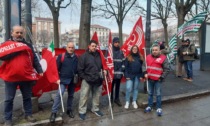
(98, 26)
(44, 19)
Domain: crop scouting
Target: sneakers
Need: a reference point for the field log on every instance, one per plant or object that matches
(185, 78)
(30, 119)
(82, 116)
(134, 105)
(126, 105)
(159, 112)
(190, 79)
(98, 113)
(8, 123)
(148, 109)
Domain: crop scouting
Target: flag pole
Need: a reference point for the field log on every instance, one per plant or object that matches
(110, 104)
(61, 97)
(146, 68)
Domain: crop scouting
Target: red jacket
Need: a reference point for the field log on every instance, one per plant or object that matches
(155, 66)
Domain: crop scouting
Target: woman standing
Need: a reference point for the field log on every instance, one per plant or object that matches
(133, 74)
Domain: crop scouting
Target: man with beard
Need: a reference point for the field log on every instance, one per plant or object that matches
(25, 86)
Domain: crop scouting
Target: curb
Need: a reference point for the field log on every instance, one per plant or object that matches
(175, 98)
(58, 122)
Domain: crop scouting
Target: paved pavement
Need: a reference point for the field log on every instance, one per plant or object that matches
(172, 86)
(191, 112)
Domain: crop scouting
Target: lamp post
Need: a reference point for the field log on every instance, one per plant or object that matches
(28, 18)
(148, 26)
(7, 18)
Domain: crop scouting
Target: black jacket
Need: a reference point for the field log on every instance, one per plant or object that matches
(36, 63)
(89, 66)
(67, 68)
(118, 60)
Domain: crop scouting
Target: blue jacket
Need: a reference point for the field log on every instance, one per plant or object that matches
(118, 60)
(134, 68)
(67, 68)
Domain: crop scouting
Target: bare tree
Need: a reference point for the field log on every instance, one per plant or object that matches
(182, 8)
(117, 9)
(200, 6)
(84, 30)
(55, 6)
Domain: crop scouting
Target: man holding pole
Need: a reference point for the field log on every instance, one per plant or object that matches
(90, 69)
(157, 69)
(67, 68)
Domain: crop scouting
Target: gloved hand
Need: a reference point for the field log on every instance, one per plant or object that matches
(161, 79)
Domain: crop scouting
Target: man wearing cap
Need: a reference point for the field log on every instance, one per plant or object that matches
(118, 59)
(188, 52)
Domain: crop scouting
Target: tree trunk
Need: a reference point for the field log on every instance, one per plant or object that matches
(56, 31)
(120, 32)
(165, 26)
(84, 30)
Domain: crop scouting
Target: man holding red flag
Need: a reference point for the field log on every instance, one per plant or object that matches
(18, 70)
(90, 69)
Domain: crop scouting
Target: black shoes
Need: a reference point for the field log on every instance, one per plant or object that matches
(118, 102)
(70, 113)
(52, 117)
(30, 119)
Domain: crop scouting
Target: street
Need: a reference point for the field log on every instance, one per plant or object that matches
(192, 112)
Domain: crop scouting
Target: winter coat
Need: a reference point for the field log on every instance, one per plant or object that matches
(67, 68)
(36, 63)
(89, 68)
(133, 68)
(118, 60)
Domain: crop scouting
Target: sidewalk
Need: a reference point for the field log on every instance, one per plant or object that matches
(173, 87)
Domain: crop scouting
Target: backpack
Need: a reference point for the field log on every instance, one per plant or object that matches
(196, 53)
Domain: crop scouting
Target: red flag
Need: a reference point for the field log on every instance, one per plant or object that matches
(136, 38)
(110, 65)
(19, 68)
(95, 38)
(49, 66)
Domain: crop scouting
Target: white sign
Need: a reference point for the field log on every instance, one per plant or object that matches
(207, 45)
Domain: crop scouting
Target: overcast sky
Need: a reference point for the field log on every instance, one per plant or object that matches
(70, 18)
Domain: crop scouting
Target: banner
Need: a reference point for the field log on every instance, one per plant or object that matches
(136, 38)
(110, 65)
(173, 46)
(192, 25)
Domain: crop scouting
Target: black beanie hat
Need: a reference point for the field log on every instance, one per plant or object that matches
(115, 39)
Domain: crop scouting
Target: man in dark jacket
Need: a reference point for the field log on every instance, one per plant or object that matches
(188, 57)
(90, 70)
(25, 86)
(67, 68)
(118, 59)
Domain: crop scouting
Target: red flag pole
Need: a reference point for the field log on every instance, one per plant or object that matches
(110, 104)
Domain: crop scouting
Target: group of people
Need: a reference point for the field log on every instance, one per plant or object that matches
(90, 69)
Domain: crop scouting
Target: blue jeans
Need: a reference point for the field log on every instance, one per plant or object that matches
(57, 101)
(188, 68)
(10, 91)
(154, 87)
(132, 84)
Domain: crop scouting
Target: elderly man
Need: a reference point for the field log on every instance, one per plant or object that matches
(28, 61)
(67, 68)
